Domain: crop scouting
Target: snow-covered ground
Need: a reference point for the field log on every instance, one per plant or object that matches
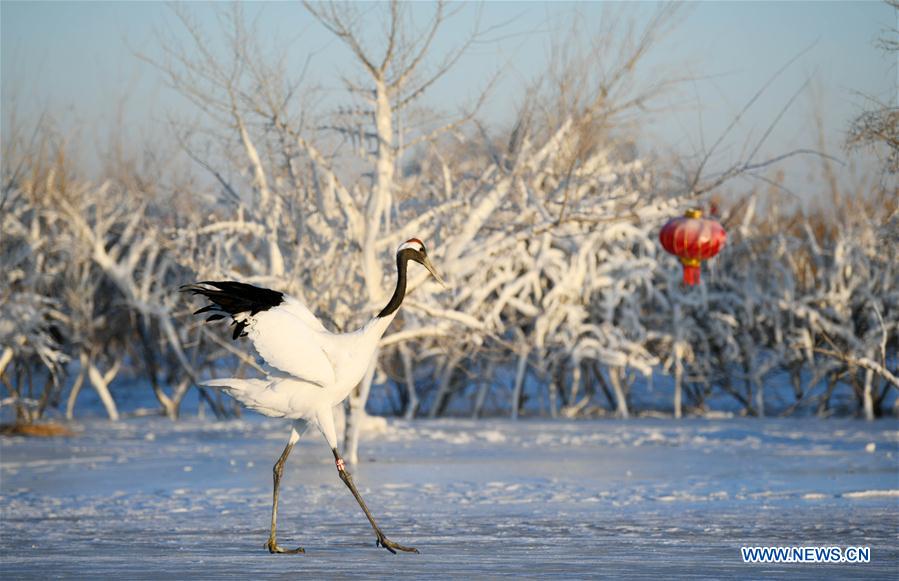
(147, 498)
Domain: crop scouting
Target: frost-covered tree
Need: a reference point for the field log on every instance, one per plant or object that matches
(30, 317)
(561, 301)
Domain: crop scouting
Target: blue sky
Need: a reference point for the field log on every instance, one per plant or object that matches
(76, 60)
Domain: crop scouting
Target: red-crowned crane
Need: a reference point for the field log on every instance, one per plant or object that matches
(311, 369)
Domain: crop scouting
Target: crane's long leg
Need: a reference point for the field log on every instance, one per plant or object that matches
(382, 539)
(278, 471)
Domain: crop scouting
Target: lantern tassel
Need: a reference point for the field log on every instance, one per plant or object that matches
(691, 275)
(692, 270)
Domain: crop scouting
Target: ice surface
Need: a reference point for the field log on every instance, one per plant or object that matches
(148, 498)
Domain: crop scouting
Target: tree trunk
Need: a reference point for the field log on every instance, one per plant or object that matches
(76, 387)
(678, 363)
(46, 396)
(5, 359)
(100, 382)
(379, 201)
(678, 380)
(759, 396)
(409, 373)
(519, 381)
(554, 396)
(486, 383)
(868, 398)
(824, 404)
(615, 378)
(796, 380)
(575, 383)
(444, 388)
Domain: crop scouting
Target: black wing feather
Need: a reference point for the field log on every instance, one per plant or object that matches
(232, 298)
(206, 309)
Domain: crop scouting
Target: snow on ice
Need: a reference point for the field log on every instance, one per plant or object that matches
(643, 498)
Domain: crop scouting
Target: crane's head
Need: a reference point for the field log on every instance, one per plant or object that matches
(414, 249)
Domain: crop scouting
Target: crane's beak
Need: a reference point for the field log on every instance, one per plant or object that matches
(426, 262)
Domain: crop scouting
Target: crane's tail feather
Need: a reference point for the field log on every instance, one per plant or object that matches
(233, 298)
(235, 384)
(252, 393)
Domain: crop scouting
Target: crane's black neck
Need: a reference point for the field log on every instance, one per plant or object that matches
(402, 259)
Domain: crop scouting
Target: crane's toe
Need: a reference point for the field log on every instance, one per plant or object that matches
(383, 541)
(274, 548)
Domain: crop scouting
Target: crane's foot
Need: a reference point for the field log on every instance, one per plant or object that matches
(383, 541)
(273, 548)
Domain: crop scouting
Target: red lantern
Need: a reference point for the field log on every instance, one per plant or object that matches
(692, 239)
